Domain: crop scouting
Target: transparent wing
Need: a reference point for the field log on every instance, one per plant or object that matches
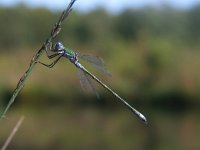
(86, 83)
(97, 62)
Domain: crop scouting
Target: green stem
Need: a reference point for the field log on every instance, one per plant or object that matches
(21, 82)
(55, 31)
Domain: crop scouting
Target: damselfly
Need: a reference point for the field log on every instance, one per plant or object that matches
(60, 51)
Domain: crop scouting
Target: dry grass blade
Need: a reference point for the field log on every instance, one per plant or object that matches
(55, 31)
(12, 134)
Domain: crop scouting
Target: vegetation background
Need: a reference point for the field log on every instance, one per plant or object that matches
(153, 54)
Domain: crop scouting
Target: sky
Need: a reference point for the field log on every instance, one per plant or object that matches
(111, 5)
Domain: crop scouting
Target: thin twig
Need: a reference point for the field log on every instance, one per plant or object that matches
(55, 31)
(12, 134)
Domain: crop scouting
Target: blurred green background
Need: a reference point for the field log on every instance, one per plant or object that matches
(153, 54)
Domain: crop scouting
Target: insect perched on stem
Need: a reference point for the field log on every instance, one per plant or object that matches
(54, 33)
(60, 51)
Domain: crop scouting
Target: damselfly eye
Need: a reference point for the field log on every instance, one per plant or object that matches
(59, 46)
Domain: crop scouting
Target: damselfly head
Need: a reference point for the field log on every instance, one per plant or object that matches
(59, 47)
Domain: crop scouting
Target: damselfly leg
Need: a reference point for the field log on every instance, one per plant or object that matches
(53, 63)
(50, 48)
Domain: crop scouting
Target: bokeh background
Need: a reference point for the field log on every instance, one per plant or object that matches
(152, 49)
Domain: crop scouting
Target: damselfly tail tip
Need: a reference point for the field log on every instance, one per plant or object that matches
(143, 118)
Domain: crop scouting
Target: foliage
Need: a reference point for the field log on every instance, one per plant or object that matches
(153, 56)
(150, 49)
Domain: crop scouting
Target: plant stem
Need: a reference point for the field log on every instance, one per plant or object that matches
(55, 31)
(12, 134)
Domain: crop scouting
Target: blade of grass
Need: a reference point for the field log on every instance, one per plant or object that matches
(12, 134)
(55, 31)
